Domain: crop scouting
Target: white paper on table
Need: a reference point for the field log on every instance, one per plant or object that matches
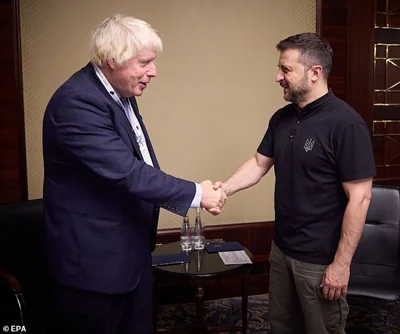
(235, 257)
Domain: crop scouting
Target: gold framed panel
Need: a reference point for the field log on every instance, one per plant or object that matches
(387, 14)
(387, 74)
(386, 136)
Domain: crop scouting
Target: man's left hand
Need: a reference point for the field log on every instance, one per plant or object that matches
(335, 281)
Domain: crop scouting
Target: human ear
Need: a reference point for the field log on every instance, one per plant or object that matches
(111, 63)
(316, 72)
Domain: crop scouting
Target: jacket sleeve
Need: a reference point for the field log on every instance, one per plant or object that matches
(85, 131)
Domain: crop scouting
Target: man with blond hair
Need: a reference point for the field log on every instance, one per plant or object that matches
(103, 186)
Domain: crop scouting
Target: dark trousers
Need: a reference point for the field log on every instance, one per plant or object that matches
(296, 303)
(85, 312)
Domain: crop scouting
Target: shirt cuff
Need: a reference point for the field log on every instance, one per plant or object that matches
(197, 197)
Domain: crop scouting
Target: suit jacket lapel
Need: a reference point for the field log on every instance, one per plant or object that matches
(146, 135)
(123, 119)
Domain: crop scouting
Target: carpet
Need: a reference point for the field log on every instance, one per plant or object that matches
(366, 316)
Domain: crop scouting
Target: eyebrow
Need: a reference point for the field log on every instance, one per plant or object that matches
(146, 58)
(284, 67)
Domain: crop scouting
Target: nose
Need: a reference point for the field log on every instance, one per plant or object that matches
(279, 76)
(152, 70)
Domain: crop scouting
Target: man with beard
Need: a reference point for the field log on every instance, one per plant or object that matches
(322, 156)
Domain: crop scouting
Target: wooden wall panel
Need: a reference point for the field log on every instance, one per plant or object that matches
(13, 179)
(349, 25)
(349, 28)
(386, 109)
(360, 58)
(332, 25)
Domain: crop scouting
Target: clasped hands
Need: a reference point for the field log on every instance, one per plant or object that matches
(213, 198)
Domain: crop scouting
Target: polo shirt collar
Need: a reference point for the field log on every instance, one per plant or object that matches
(316, 104)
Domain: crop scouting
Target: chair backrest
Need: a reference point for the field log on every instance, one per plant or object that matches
(21, 255)
(20, 234)
(380, 242)
(375, 270)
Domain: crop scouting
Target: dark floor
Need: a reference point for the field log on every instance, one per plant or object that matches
(366, 317)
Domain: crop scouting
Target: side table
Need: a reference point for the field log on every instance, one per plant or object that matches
(202, 271)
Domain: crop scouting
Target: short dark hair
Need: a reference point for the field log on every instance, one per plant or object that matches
(314, 50)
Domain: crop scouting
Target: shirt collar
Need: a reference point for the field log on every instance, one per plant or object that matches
(107, 85)
(316, 104)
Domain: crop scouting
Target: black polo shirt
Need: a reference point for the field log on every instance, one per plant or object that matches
(315, 149)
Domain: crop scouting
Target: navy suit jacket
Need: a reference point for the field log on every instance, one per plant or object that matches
(101, 200)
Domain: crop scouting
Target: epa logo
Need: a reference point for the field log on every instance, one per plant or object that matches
(14, 329)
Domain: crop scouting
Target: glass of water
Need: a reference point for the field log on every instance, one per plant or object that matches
(186, 239)
(198, 237)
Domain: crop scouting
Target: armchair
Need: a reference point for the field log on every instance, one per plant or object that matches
(374, 286)
(24, 297)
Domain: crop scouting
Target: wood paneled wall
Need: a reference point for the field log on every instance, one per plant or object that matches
(349, 25)
(332, 25)
(13, 177)
(360, 57)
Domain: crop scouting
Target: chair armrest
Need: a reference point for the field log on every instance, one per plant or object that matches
(11, 280)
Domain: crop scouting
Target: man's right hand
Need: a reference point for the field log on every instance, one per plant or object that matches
(212, 199)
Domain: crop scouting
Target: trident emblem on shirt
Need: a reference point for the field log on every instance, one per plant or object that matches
(308, 146)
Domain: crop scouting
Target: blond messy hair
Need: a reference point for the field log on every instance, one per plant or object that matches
(119, 38)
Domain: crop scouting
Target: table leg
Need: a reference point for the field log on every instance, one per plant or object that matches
(202, 326)
(244, 303)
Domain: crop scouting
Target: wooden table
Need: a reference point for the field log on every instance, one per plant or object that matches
(203, 270)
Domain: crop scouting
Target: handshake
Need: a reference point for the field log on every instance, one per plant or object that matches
(213, 198)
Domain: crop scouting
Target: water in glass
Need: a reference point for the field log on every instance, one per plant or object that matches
(186, 238)
(198, 233)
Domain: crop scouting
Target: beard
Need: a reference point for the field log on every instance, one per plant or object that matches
(296, 94)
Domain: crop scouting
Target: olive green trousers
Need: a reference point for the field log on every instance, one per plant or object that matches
(296, 303)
